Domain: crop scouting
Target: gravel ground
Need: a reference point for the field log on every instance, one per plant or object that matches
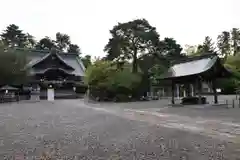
(71, 129)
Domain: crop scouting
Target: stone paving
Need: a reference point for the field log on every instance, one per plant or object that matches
(73, 129)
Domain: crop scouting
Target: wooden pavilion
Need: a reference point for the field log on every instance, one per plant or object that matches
(193, 72)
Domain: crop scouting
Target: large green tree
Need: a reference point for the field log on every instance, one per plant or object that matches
(224, 44)
(171, 49)
(31, 42)
(74, 48)
(235, 37)
(45, 43)
(12, 67)
(208, 46)
(131, 39)
(14, 37)
(86, 61)
(62, 41)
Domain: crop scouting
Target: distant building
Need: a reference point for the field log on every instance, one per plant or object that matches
(63, 71)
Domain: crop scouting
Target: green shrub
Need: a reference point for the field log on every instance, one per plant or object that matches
(106, 81)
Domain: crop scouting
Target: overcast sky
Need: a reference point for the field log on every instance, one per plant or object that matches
(88, 22)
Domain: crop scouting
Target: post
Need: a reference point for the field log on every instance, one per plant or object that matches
(199, 91)
(178, 93)
(163, 92)
(233, 104)
(214, 91)
(173, 87)
(239, 102)
(184, 92)
(192, 90)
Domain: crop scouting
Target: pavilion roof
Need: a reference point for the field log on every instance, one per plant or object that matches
(191, 66)
(7, 87)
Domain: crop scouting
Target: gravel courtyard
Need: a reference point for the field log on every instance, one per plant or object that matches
(74, 129)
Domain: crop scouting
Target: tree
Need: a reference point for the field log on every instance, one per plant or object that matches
(14, 37)
(156, 71)
(30, 41)
(45, 43)
(235, 37)
(208, 46)
(224, 44)
(233, 63)
(230, 85)
(86, 60)
(171, 49)
(12, 67)
(115, 48)
(74, 48)
(131, 39)
(62, 41)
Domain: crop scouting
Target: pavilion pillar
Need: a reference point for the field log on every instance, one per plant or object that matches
(214, 91)
(192, 90)
(163, 92)
(199, 86)
(173, 91)
(184, 92)
(188, 89)
(178, 91)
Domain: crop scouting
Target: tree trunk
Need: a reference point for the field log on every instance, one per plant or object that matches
(135, 64)
(235, 48)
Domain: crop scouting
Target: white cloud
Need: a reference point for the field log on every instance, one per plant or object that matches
(88, 22)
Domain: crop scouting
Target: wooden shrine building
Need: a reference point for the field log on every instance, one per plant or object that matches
(192, 72)
(63, 71)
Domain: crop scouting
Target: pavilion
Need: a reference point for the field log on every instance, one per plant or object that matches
(193, 72)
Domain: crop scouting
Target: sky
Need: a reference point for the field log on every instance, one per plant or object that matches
(88, 22)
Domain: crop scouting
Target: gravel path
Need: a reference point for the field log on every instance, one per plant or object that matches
(75, 130)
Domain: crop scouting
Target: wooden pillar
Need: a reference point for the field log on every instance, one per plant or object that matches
(199, 85)
(187, 90)
(184, 92)
(173, 91)
(178, 91)
(214, 91)
(163, 92)
(192, 90)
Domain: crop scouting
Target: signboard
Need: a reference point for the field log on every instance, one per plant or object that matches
(50, 94)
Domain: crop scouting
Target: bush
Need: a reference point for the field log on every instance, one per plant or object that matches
(107, 82)
(230, 85)
(193, 100)
(81, 89)
(121, 98)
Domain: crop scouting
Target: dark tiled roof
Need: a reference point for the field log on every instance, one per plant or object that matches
(71, 59)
